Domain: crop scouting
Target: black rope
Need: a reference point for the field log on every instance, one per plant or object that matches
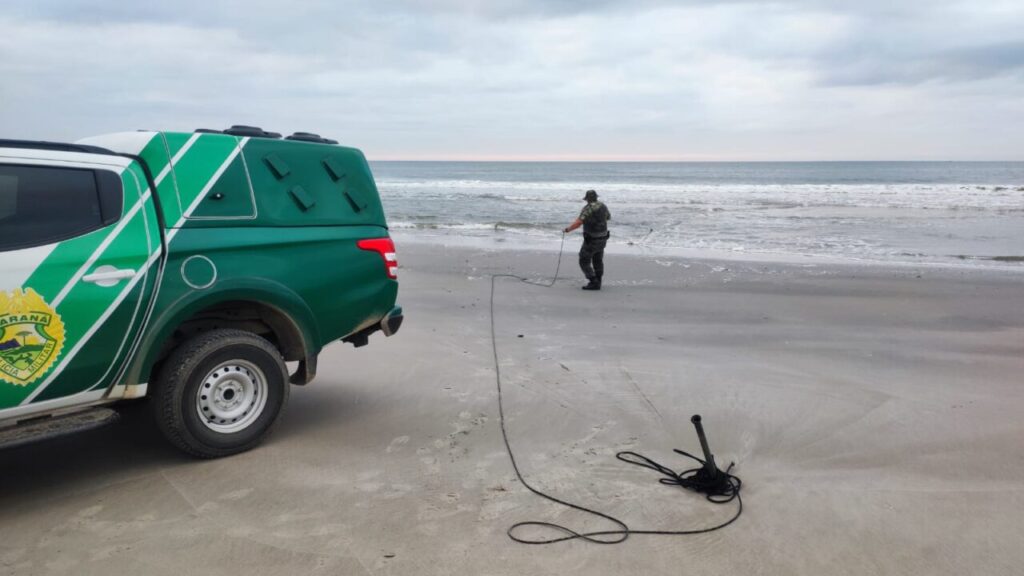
(717, 486)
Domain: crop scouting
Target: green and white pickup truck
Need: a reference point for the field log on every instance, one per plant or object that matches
(186, 268)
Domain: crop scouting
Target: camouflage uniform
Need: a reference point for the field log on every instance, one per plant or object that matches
(595, 217)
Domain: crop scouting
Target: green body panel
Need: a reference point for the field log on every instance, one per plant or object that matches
(231, 197)
(256, 220)
(173, 142)
(194, 172)
(317, 275)
(177, 310)
(102, 320)
(101, 357)
(302, 260)
(298, 257)
(156, 155)
(109, 349)
(348, 198)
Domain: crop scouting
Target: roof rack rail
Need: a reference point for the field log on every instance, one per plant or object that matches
(240, 130)
(310, 137)
(257, 132)
(56, 146)
(251, 131)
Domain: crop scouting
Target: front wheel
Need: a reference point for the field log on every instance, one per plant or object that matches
(220, 393)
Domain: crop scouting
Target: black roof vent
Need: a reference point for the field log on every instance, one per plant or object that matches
(251, 131)
(208, 131)
(310, 137)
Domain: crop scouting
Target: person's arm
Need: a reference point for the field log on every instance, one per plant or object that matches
(575, 224)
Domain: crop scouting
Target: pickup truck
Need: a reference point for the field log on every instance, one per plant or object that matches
(187, 268)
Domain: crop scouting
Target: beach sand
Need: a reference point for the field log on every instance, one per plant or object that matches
(874, 413)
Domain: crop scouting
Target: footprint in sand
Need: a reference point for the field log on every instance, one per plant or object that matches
(397, 444)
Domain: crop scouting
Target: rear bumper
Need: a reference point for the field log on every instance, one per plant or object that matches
(389, 325)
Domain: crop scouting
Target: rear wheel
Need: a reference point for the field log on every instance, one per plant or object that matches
(220, 393)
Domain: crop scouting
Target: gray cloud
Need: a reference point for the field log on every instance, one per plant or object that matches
(531, 78)
(964, 64)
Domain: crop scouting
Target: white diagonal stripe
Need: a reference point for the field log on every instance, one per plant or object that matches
(92, 329)
(100, 249)
(206, 189)
(121, 225)
(20, 264)
(141, 274)
(177, 157)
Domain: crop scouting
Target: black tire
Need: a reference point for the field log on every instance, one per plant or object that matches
(190, 367)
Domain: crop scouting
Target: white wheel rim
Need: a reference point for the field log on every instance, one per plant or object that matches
(231, 396)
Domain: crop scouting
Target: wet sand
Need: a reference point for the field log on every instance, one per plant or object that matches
(873, 412)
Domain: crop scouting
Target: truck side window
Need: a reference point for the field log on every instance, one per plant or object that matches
(230, 197)
(42, 205)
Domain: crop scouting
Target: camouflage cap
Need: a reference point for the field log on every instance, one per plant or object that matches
(590, 196)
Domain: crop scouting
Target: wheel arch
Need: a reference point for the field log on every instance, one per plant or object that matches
(254, 305)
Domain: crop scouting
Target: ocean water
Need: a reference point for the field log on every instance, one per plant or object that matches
(963, 213)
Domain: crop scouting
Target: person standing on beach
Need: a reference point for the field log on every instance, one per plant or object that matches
(594, 218)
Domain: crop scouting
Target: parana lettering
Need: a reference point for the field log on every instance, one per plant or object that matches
(30, 318)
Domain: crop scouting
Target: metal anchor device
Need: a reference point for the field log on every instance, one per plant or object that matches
(711, 472)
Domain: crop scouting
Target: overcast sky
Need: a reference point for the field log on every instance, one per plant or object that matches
(532, 79)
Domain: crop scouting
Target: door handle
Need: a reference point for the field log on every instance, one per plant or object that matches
(107, 276)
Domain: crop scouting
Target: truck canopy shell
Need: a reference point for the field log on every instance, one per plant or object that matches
(211, 179)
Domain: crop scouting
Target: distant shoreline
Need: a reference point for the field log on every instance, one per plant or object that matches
(1013, 265)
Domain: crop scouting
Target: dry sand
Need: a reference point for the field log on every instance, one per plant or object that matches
(874, 413)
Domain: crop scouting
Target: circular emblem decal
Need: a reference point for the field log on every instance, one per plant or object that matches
(31, 336)
(198, 272)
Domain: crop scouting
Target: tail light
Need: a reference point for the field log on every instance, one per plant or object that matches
(386, 248)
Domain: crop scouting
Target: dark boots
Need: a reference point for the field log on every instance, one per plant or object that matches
(594, 284)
